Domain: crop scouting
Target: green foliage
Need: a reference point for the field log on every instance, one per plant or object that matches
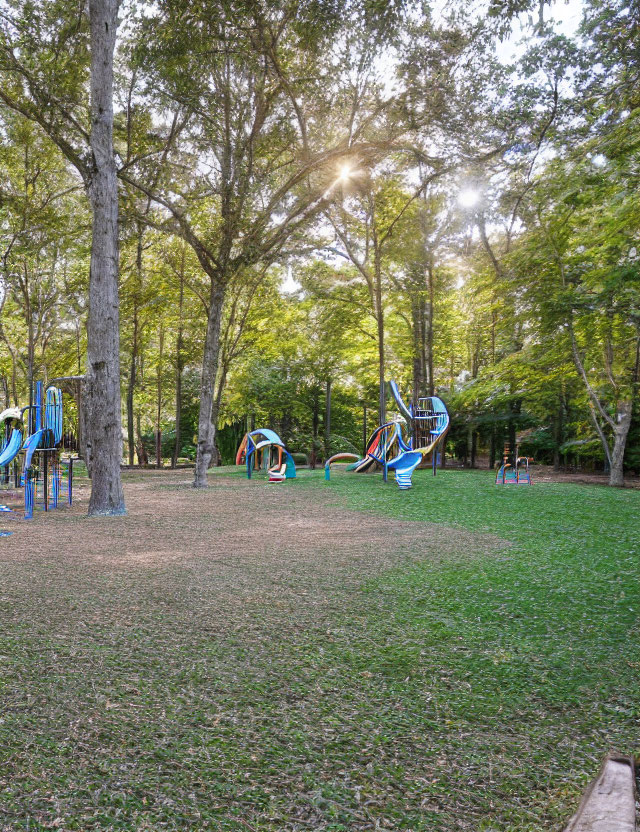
(269, 107)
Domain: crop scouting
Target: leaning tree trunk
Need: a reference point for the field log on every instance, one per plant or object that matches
(206, 431)
(616, 474)
(102, 391)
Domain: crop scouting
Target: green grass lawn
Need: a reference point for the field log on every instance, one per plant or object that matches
(522, 666)
(471, 687)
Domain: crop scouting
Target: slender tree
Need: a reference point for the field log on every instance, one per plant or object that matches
(84, 134)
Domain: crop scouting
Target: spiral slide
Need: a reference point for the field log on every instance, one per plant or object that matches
(428, 423)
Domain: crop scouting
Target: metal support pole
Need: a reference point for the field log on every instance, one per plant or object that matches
(384, 456)
(45, 480)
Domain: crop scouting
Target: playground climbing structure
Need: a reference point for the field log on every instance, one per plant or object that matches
(514, 469)
(426, 426)
(263, 449)
(30, 451)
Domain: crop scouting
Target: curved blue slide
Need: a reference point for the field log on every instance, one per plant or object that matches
(404, 465)
(12, 449)
(31, 446)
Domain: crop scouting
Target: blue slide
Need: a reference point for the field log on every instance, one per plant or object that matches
(12, 449)
(31, 446)
(404, 465)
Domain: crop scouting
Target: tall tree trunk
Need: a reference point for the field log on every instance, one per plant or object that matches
(143, 458)
(104, 440)
(179, 367)
(215, 412)
(14, 368)
(514, 411)
(315, 422)
(429, 332)
(78, 353)
(30, 361)
(418, 351)
(492, 448)
(365, 436)
(82, 422)
(327, 421)
(132, 383)
(159, 398)
(559, 432)
(131, 386)
(206, 430)
(380, 323)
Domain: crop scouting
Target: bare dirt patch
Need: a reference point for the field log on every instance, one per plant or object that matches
(233, 523)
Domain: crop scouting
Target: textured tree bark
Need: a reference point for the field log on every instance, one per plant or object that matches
(216, 456)
(82, 424)
(616, 474)
(102, 385)
(206, 430)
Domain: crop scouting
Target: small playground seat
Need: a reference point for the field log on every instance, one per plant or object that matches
(278, 474)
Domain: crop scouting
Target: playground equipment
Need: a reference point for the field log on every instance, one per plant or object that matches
(12, 438)
(427, 426)
(263, 448)
(514, 469)
(36, 432)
